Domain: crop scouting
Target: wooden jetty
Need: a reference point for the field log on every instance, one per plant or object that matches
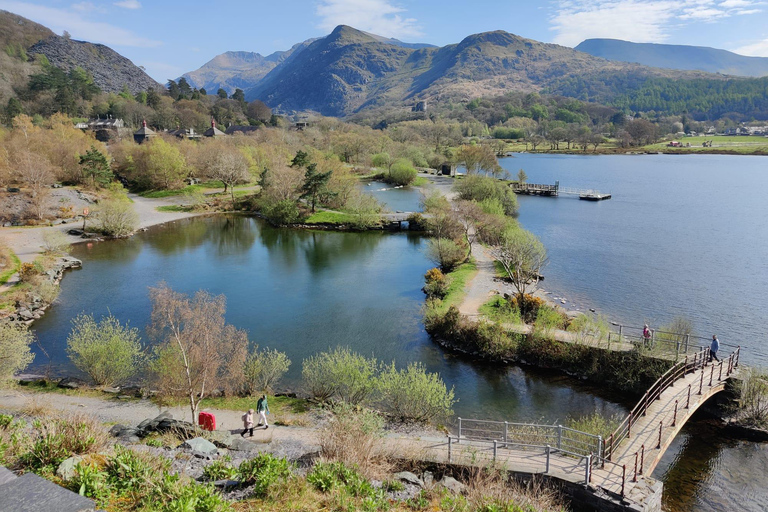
(537, 189)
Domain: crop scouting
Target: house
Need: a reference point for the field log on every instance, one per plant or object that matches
(300, 125)
(143, 134)
(213, 131)
(106, 129)
(447, 170)
(181, 133)
(236, 128)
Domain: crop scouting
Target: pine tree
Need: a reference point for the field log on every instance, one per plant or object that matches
(314, 184)
(96, 167)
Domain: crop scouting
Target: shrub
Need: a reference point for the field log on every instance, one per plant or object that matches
(263, 471)
(548, 319)
(282, 212)
(28, 271)
(753, 397)
(590, 329)
(402, 172)
(60, 438)
(107, 351)
(416, 222)
(90, 481)
(56, 243)
(220, 469)
(15, 354)
(412, 394)
(528, 306)
(116, 218)
(596, 424)
(436, 284)
(264, 368)
(326, 476)
(340, 375)
(446, 253)
(475, 187)
(494, 340)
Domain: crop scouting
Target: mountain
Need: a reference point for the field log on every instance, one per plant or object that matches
(351, 70)
(672, 56)
(21, 39)
(238, 70)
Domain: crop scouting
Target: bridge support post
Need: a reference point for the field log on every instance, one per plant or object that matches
(661, 426)
(642, 457)
(549, 450)
(449, 449)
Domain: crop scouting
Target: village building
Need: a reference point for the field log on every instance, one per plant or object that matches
(213, 131)
(181, 133)
(144, 133)
(245, 129)
(105, 130)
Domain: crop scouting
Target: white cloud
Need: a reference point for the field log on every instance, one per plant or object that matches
(88, 7)
(73, 22)
(129, 4)
(376, 16)
(640, 21)
(756, 49)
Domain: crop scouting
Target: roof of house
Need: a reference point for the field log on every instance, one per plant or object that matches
(241, 129)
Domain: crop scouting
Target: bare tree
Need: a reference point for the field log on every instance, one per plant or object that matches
(470, 215)
(198, 351)
(37, 174)
(229, 166)
(523, 256)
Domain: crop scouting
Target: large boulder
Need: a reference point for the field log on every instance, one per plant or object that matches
(242, 445)
(127, 435)
(221, 438)
(201, 446)
(452, 485)
(407, 476)
(72, 383)
(150, 424)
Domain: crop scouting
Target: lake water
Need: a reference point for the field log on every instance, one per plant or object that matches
(683, 235)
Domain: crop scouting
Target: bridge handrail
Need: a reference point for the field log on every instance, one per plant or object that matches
(676, 372)
(654, 332)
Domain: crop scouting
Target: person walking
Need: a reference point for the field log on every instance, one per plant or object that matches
(262, 407)
(247, 422)
(646, 336)
(713, 348)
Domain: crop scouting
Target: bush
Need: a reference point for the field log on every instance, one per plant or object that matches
(476, 187)
(60, 438)
(340, 375)
(494, 340)
(436, 284)
(282, 212)
(29, 271)
(412, 394)
(107, 351)
(548, 319)
(264, 471)
(446, 253)
(15, 340)
(263, 369)
(508, 133)
(327, 476)
(56, 243)
(116, 218)
(528, 306)
(416, 222)
(402, 172)
(590, 329)
(753, 397)
(353, 437)
(220, 469)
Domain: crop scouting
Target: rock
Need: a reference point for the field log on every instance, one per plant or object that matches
(127, 435)
(66, 470)
(27, 379)
(72, 383)
(452, 484)
(407, 476)
(111, 391)
(221, 438)
(201, 446)
(76, 232)
(31, 492)
(428, 478)
(25, 314)
(181, 428)
(134, 391)
(224, 484)
(150, 424)
(242, 445)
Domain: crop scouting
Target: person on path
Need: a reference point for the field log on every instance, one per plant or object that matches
(248, 423)
(263, 409)
(713, 348)
(646, 335)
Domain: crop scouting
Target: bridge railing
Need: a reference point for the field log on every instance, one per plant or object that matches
(678, 371)
(531, 435)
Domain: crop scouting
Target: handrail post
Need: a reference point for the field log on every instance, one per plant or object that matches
(720, 375)
(495, 449)
(629, 425)
(600, 447)
(688, 400)
(549, 450)
(738, 352)
(458, 439)
(559, 437)
(674, 416)
(645, 402)
(506, 430)
(621, 328)
(701, 382)
(449, 449)
(642, 457)
(588, 473)
(687, 340)
(661, 425)
(711, 374)
(610, 453)
(634, 478)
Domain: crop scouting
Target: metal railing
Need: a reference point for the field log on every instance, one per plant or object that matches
(529, 435)
(678, 371)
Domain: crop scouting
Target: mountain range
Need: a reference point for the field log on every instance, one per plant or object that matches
(673, 56)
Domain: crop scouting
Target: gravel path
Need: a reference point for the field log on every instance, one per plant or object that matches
(481, 287)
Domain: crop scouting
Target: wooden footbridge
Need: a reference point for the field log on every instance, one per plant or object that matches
(535, 189)
(614, 469)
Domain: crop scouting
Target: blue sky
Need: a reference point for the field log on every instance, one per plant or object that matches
(170, 37)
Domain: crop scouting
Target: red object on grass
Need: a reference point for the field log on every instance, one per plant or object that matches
(207, 421)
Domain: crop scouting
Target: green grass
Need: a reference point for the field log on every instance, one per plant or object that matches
(420, 181)
(326, 217)
(173, 208)
(158, 194)
(501, 273)
(457, 285)
(15, 264)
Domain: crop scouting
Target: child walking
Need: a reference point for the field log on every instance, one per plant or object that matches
(248, 423)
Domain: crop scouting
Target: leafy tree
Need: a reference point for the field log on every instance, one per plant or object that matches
(107, 351)
(116, 217)
(95, 166)
(259, 111)
(174, 91)
(229, 166)
(263, 369)
(153, 99)
(446, 253)
(479, 188)
(185, 89)
(197, 350)
(12, 109)
(15, 354)
(340, 375)
(521, 176)
(315, 184)
(301, 159)
(402, 172)
(221, 93)
(478, 157)
(238, 95)
(523, 256)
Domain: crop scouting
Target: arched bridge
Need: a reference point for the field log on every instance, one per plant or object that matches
(614, 467)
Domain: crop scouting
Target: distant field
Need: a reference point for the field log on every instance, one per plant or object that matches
(720, 143)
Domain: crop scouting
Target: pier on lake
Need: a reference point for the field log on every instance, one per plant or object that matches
(536, 189)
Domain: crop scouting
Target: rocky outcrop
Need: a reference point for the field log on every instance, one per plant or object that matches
(110, 70)
(34, 308)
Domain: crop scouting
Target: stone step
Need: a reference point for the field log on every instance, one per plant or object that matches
(31, 493)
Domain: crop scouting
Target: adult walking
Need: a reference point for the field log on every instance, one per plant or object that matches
(713, 348)
(247, 422)
(262, 407)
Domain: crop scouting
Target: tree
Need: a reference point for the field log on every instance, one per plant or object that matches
(315, 184)
(301, 159)
(263, 369)
(470, 215)
(523, 256)
(37, 174)
(13, 109)
(238, 95)
(445, 252)
(221, 93)
(402, 172)
(95, 166)
(479, 188)
(174, 91)
(184, 88)
(412, 394)
(197, 351)
(478, 157)
(521, 177)
(116, 217)
(162, 164)
(340, 375)
(259, 111)
(15, 354)
(229, 166)
(107, 351)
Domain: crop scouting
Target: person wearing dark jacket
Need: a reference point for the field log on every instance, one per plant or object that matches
(713, 348)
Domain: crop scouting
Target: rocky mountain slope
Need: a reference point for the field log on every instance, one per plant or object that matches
(16, 35)
(676, 57)
(350, 70)
(110, 70)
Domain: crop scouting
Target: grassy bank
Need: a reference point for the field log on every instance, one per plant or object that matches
(457, 284)
(12, 263)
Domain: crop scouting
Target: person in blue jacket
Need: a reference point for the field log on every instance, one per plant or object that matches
(713, 348)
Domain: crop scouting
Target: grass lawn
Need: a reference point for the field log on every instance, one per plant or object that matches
(420, 181)
(457, 285)
(15, 263)
(157, 194)
(326, 217)
(173, 208)
(497, 309)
